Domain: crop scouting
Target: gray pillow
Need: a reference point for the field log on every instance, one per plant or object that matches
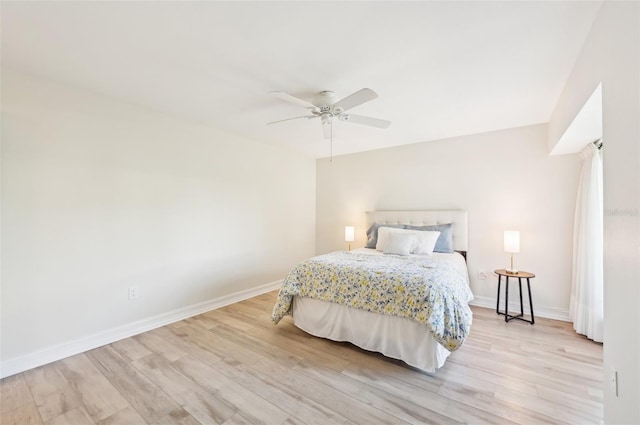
(372, 233)
(445, 240)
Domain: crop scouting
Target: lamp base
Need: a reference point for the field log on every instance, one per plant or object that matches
(512, 271)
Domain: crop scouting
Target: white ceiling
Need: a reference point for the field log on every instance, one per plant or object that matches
(441, 69)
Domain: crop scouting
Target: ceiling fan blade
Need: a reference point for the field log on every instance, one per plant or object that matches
(355, 99)
(292, 99)
(294, 118)
(327, 129)
(359, 119)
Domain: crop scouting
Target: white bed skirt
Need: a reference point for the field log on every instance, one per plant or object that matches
(395, 337)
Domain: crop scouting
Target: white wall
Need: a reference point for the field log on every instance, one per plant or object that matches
(504, 179)
(98, 195)
(611, 55)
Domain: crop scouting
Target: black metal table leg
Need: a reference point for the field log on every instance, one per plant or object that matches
(533, 320)
(520, 289)
(506, 300)
(508, 318)
(498, 303)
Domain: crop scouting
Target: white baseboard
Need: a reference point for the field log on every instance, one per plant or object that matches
(71, 348)
(546, 312)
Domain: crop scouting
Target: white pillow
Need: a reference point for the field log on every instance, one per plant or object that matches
(399, 243)
(383, 236)
(424, 241)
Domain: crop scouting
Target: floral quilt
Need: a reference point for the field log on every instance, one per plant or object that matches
(435, 293)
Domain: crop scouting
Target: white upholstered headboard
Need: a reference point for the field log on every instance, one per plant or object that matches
(424, 218)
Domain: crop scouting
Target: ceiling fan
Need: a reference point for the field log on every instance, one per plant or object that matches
(326, 108)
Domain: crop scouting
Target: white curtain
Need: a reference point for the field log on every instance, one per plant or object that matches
(587, 286)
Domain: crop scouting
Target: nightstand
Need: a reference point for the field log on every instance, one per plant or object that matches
(520, 275)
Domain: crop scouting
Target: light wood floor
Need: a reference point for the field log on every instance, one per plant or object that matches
(233, 366)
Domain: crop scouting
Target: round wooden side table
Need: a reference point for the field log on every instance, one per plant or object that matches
(520, 275)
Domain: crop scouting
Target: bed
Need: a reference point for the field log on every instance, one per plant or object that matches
(408, 307)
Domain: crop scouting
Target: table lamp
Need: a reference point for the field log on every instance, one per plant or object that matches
(349, 235)
(512, 245)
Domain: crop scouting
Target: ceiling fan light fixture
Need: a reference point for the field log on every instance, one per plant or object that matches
(326, 98)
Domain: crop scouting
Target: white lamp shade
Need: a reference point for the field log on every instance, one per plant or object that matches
(349, 233)
(511, 241)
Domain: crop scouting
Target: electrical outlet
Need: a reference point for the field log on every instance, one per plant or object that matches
(482, 274)
(613, 380)
(133, 292)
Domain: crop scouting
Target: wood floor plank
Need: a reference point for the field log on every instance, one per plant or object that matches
(399, 407)
(433, 402)
(280, 349)
(232, 366)
(44, 380)
(158, 345)
(127, 416)
(521, 370)
(178, 417)
(51, 391)
(560, 411)
(201, 320)
(177, 338)
(14, 393)
(477, 378)
(130, 349)
(59, 402)
(78, 416)
(146, 397)
(226, 317)
(292, 420)
(297, 342)
(324, 395)
(248, 403)
(238, 419)
(487, 402)
(98, 396)
(203, 405)
(309, 411)
(577, 403)
(25, 414)
(287, 398)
